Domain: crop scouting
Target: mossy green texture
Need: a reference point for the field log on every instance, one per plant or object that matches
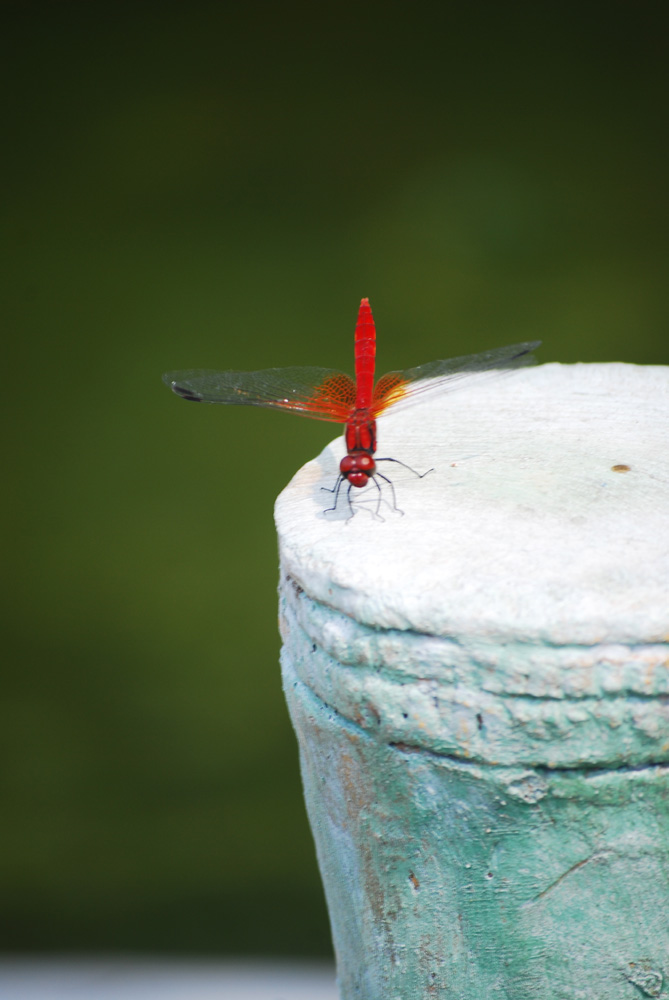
(448, 875)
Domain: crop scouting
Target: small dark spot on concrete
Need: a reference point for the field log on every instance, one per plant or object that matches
(373, 711)
(405, 748)
(621, 468)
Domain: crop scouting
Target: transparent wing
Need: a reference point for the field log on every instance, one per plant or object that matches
(404, 386)
(321, 393)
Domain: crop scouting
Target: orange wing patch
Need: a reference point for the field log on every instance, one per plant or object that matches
(335, 395)
(388, 390)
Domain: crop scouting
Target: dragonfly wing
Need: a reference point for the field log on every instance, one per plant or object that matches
(322, 393)
(403, 386)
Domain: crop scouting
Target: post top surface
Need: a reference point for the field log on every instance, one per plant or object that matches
(546, 517)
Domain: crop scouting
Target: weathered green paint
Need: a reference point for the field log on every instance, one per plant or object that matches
(451, 871)
(499, 703)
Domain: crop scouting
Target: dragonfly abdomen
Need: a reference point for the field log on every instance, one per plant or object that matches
(365, 353)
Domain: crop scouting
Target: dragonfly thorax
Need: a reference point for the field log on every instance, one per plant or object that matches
(360, 436)
(360, 433)
(357, 468)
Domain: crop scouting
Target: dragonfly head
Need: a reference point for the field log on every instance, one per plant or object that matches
(357, 468)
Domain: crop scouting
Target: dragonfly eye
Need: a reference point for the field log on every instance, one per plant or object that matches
(357, 468)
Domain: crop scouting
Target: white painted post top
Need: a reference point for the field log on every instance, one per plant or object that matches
(546, 518)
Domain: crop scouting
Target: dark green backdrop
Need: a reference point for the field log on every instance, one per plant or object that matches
(217, 185)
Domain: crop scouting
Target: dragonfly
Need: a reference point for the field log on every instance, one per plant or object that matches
(328, 394)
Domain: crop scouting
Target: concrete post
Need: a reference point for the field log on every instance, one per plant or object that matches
(480, 691)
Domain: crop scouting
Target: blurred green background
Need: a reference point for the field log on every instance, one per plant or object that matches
(217, 185)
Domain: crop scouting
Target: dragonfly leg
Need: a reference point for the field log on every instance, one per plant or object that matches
(392, 490)
(397, 462)
(335, 489)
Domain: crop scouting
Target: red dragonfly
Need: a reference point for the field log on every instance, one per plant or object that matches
(328, 394)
